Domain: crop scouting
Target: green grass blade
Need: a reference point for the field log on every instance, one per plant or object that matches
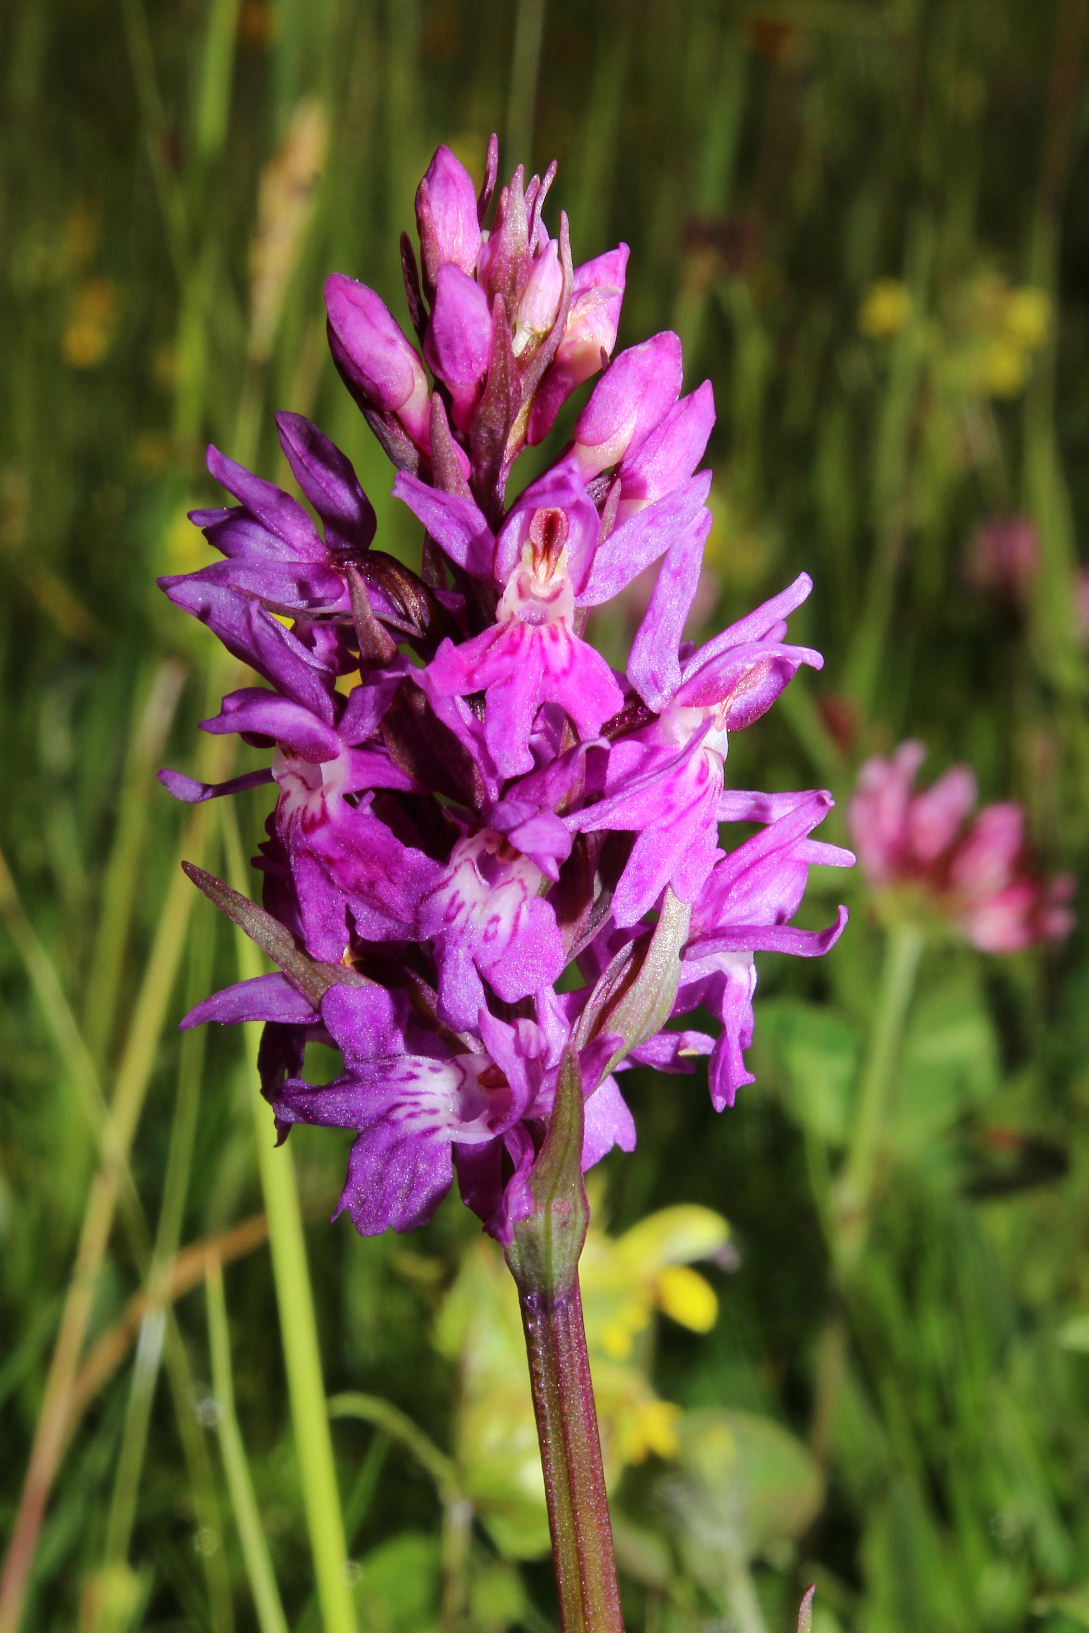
(298, 1324)
(262, 1577)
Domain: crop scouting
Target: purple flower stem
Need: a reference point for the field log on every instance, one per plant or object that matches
(543, 1257)
(578, 1509)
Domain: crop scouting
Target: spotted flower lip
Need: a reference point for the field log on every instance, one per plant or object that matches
(549, 560)
(499, 866)
(486, 918)
(929, 857)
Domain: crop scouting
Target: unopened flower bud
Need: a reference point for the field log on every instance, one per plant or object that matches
(633, 396)
(459, 340)
(446, 215)
(540, 302)
(589, 335)
(373, 355)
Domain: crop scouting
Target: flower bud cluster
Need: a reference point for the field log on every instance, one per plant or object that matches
(493, 858)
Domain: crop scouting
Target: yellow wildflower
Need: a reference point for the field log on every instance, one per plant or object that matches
(1004, 367)
(89, 331)
(649, 1428)
(1028, 317)
(687, 1297)
(885, 310)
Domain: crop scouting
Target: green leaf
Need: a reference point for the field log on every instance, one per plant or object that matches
(949, 1064)
(399, 1585)
(634, 996)
(544, 1254)
(815, 1053)
(743, 1484)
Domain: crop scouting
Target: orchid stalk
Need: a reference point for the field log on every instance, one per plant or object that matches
(495, 874)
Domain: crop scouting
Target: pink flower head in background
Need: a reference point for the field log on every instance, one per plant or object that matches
(1003, 559)
(976, 873)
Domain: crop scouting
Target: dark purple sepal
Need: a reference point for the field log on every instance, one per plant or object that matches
(194, 793)
(254, 635)
(262, 998)
(327, 477)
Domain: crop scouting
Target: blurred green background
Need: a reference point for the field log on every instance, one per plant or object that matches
(867, 222)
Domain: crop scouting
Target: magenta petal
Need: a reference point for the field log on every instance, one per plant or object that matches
(396, 1179)
(514, 696)
(454, 522)
(771, 938)
(634, 394)
(752, 805)
(578, 678)
(264, 998)
(459, 338)
(744, 683)
(461, 991)
(383, 880)
(608, 1123)
(367, 1022)
(757, 626)
(328, 479)
(642, 539)
(671, 452)
(531, 959)
(654, 666)
(681, 855)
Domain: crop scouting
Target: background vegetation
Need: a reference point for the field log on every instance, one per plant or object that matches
(865, 218)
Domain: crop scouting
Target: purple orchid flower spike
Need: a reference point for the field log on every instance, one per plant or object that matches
(499, 869)
(449, 749)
